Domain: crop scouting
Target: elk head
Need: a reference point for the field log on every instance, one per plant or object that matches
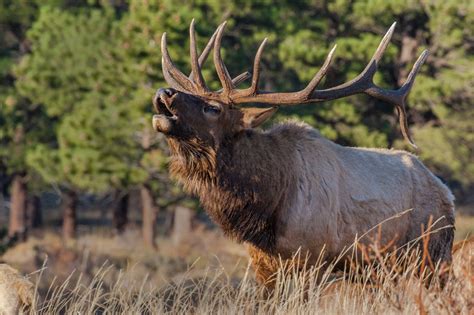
(189, 111)
(187, 117)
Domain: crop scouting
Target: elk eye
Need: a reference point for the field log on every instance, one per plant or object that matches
(210, 109)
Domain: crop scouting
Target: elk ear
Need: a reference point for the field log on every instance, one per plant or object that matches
(254, 117)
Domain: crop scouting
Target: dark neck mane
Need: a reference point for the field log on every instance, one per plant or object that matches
(242, 184)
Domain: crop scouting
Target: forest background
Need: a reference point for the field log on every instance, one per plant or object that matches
(77, 77)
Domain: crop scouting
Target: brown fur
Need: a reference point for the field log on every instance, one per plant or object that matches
(239, 192)
(265, 266)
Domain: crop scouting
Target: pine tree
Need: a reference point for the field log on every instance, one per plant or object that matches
(72, 71)
(20, 123)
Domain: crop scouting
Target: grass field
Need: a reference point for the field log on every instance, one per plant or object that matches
(464, 227)
(208, 273)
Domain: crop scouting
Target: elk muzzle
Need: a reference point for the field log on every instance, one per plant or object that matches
(163, 103)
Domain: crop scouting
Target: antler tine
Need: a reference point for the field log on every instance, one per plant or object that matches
(384, 43)
(241, 78)
(203, 57)
(252, 95)
(205, 52)
(360, 83)
(221, 69)
(320, 74)
(414, 71)
(399, 97)
(173, 76)
(196, 68)
(238, 79)
(169, 79)
(256, 68)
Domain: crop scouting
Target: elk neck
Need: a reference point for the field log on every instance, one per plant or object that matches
(242, 183)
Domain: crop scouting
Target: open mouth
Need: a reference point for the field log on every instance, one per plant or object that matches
(166, 119)
(163, 105)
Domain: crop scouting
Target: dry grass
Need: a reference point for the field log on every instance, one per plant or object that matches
(464, 227)
(379, 285)
(209, 274)
(373, 290)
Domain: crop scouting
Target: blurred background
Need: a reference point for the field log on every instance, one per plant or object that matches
(81, 170)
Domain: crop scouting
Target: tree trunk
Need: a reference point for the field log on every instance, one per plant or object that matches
(17, 225)
(34, 215)
(120, 214)
(407, 55)
(183, 217)
(69, 215)
(149, 212)
(2, 203)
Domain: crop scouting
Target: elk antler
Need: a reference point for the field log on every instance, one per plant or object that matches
(178, 80)
(363, 83)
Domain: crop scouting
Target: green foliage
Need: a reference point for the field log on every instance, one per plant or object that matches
(75, 73)
(62, 68)
(23, 123)
(93, 68)
(22, 126)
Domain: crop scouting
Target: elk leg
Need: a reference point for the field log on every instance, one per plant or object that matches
(265, 267)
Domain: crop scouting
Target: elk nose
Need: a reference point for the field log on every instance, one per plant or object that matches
(164, 97)
(166, 92)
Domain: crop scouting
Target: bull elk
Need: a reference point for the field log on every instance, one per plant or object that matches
(289, 188)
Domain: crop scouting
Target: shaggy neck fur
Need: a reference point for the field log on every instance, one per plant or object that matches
(242, 183)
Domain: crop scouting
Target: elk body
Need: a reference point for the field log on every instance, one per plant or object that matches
(288, 188)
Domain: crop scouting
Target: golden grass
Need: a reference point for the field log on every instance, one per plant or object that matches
(209, 274)
(464, 227)
(389, 284)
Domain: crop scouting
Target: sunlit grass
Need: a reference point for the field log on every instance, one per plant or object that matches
(208, 273)
(388, 283)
